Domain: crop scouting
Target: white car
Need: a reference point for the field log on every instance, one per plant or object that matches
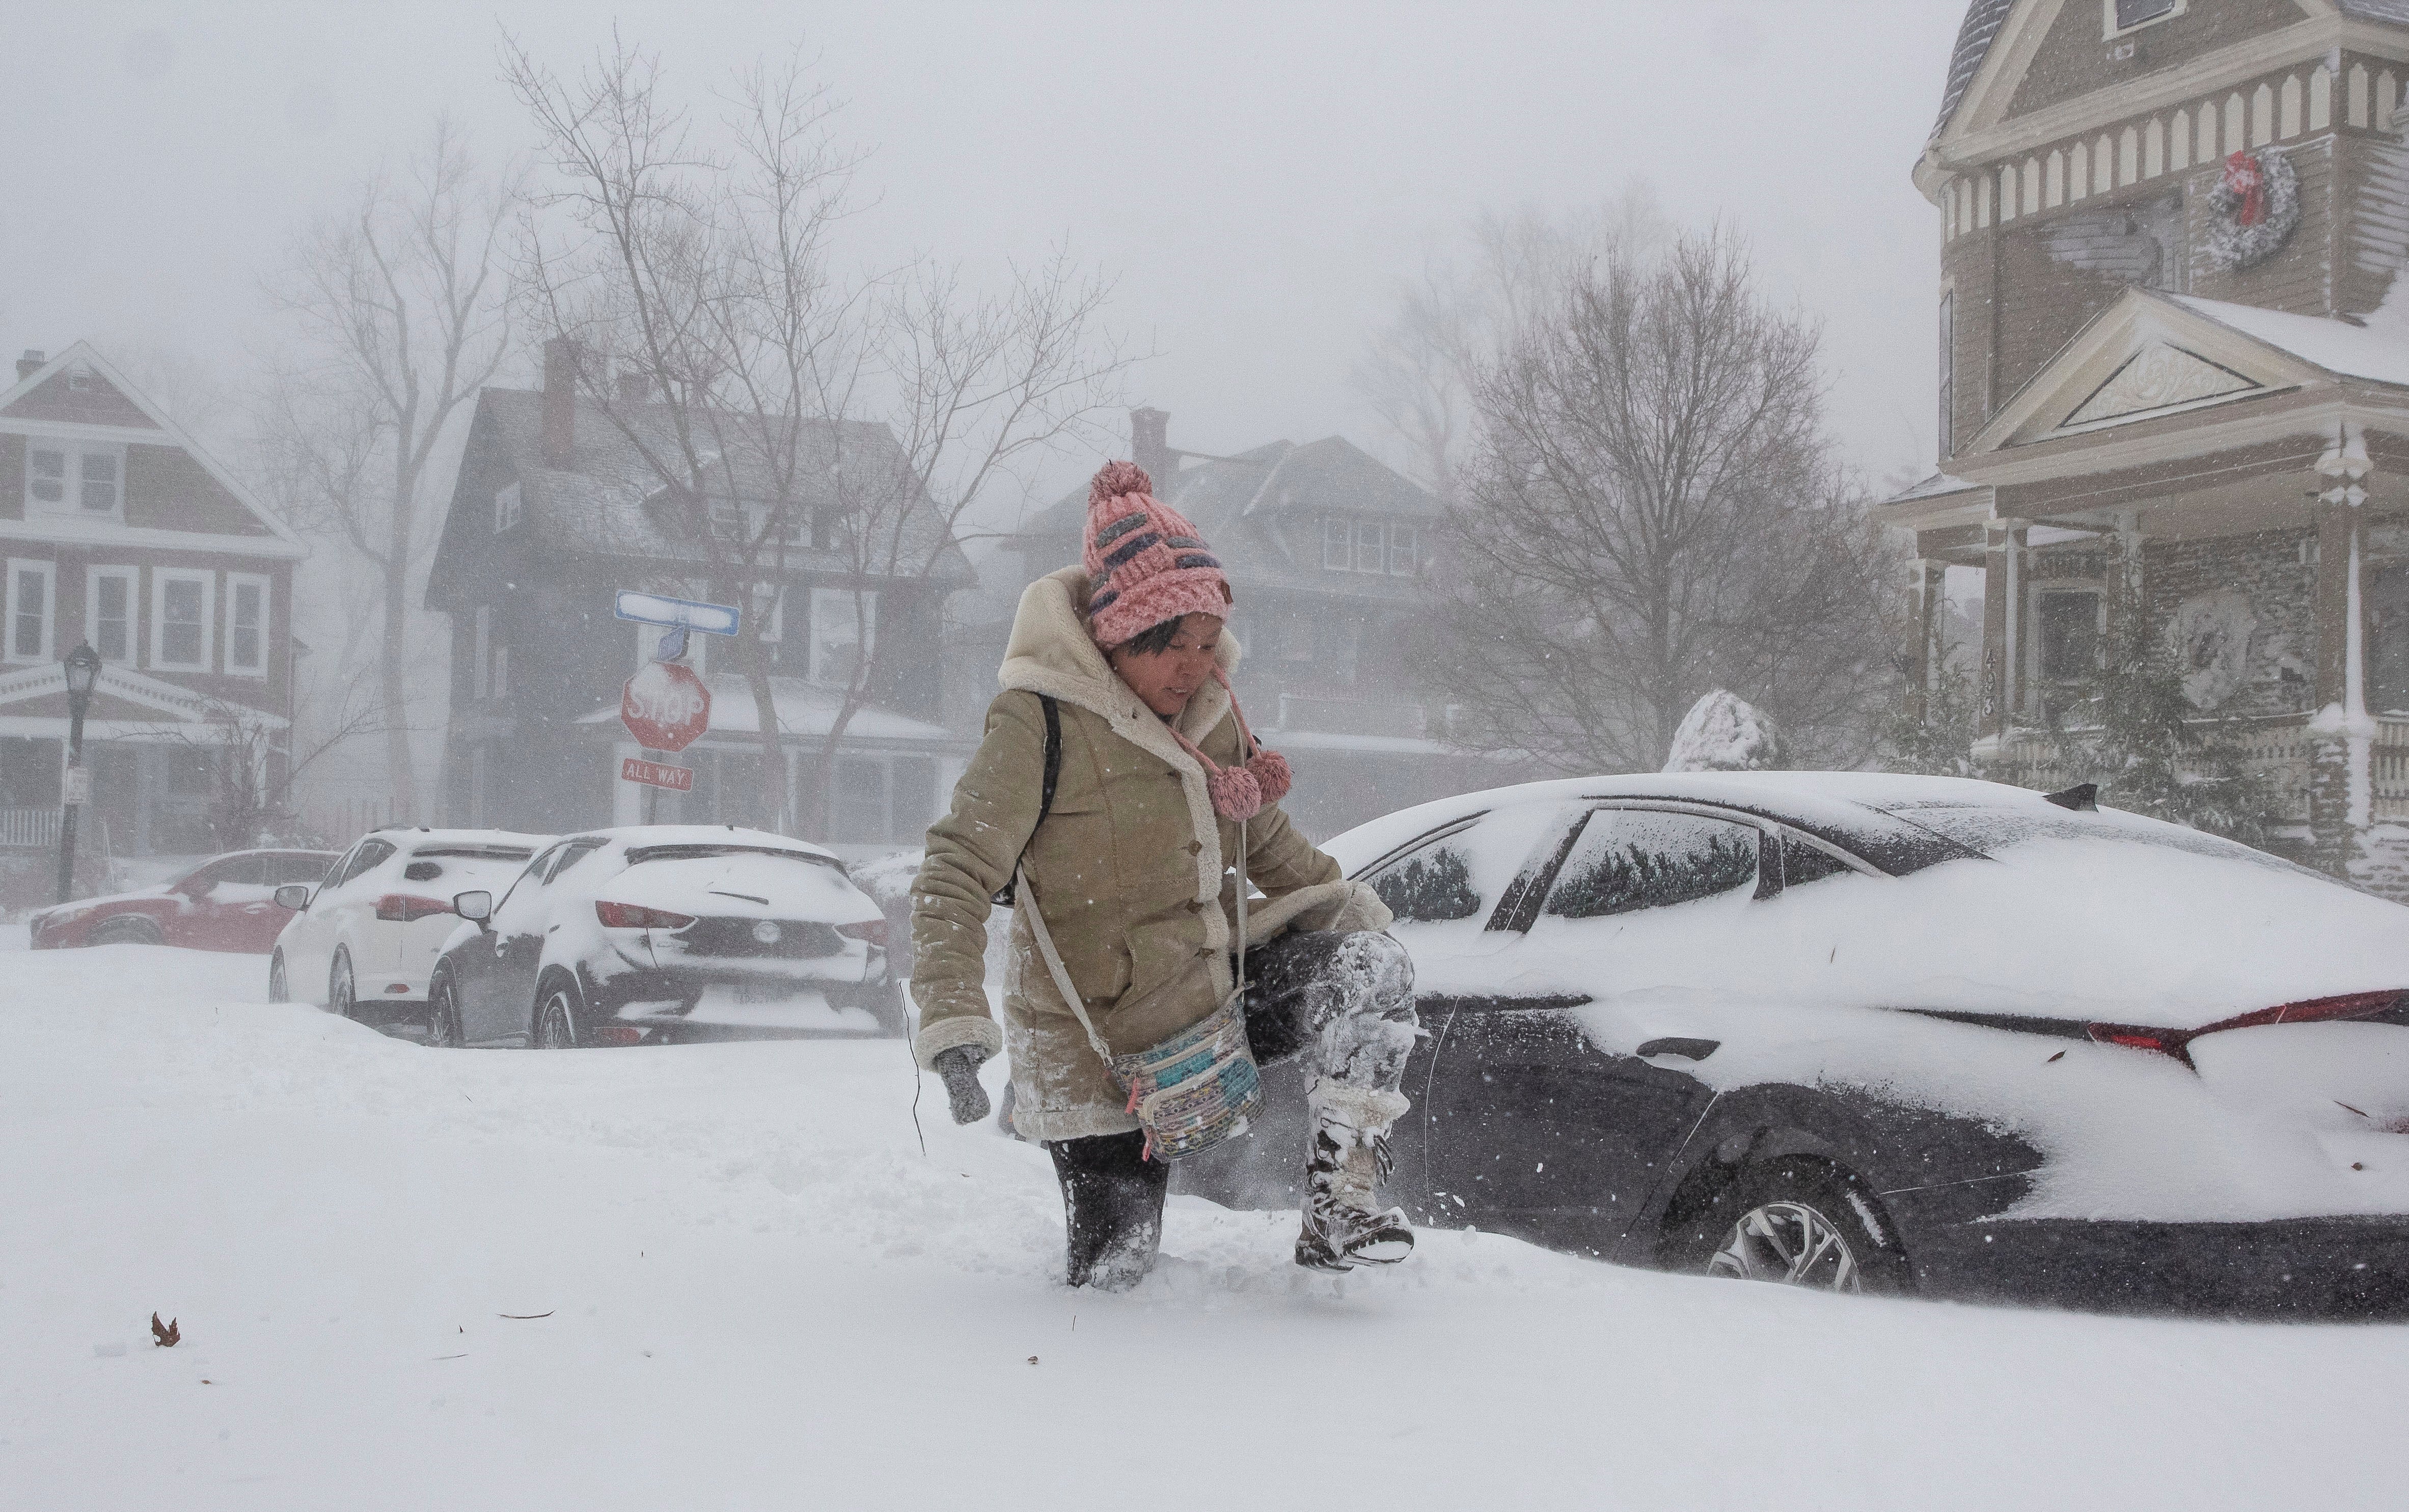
(659, 933)
(364, 941)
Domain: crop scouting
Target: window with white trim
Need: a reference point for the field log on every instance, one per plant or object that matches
(179, 618)
(32, 611)
(844, 634)
(2117, 17)
(108, 599)
(508, 506)
(1370, 546)
(67, 478)
(246, 625)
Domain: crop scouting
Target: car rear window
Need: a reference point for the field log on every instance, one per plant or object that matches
(1993, 829)
(705, 851)
(426, 864)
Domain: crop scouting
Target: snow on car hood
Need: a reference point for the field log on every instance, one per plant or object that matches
(748, 884)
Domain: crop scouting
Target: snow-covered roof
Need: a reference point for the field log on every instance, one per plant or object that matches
(1984, 19)
(1260, 510)
(1932, 487)
(803, 709)
(613, 503)
(2376, 352)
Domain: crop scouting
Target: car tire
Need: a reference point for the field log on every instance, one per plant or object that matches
(443, 1016)
(127, 929)
(1797, 1222)
(556, 1018)
(342, 986)
(278, 989)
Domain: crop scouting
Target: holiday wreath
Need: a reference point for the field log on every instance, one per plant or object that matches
(2253, 209)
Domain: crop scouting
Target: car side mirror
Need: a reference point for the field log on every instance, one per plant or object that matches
(476, 907)
(292, 895)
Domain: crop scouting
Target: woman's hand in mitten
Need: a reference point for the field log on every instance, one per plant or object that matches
(960, 1067)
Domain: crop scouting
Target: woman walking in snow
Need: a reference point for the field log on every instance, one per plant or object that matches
(1118, 671)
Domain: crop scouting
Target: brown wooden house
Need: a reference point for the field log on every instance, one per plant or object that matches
(122, 533)
(2174, 379)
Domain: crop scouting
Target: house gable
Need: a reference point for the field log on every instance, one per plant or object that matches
(2075, 55)
(2143, 358)
(174, 494)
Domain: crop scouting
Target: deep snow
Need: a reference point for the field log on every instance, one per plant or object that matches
(760, 1294)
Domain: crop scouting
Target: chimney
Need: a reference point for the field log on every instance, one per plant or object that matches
(1149, 449)
(560, 363)
(30, 363)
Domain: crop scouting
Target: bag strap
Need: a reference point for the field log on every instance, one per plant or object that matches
(1004, 895)
(1062, 973)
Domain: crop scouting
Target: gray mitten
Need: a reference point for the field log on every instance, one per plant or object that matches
(960, 1067)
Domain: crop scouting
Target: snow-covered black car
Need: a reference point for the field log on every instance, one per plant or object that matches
(1891, 1033)
(659, 933)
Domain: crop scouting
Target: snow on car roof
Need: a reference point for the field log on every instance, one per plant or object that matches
(710, 834)
(419, 840)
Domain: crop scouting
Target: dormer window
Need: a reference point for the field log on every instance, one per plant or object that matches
(74, 479)
(2121, 15)
(1370, 546)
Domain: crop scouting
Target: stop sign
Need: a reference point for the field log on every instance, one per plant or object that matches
(665, 706)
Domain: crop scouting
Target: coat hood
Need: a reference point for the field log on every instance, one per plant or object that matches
(1051, 652)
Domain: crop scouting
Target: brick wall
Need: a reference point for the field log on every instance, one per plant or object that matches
(2269, 566)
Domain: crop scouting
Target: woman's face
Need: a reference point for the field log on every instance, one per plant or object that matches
(1166, 680)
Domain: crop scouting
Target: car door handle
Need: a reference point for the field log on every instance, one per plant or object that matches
(1686, 1049)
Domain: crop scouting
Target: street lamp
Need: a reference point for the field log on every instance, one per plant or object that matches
(82, 669)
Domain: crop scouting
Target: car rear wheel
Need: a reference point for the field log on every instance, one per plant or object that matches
(443, 1016)
(555, 1019)
(1803, 1223)
(278, 989)
(342, 995)
(129, 930)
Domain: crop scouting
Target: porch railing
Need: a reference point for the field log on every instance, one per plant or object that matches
(29, 829)
(2279, 750)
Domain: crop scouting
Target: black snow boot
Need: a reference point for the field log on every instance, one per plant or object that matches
(1112, 1207)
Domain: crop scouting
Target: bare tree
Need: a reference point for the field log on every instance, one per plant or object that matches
(1651, 509)
(1421, 367)
(795, 420)
(400, 317)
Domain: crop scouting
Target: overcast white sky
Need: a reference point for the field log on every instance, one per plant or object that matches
(1260, 178)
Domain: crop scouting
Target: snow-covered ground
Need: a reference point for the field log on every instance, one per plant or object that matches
(725, 1276)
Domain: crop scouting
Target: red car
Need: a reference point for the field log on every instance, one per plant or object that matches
(227, 902)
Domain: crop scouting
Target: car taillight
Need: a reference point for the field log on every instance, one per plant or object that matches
(401, 908)
(630, 916)
(874, 931)
(2177, 1042)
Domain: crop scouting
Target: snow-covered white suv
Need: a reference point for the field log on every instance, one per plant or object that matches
(363, 942)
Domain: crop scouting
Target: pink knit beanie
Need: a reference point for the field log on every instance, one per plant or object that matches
(1146, 563)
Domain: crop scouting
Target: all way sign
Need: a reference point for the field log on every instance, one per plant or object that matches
(656, 774)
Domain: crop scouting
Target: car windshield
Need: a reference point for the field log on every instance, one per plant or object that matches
(1993, 828)
(705, 851)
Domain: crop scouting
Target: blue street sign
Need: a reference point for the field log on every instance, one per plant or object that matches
(683, 613)
(671, 644)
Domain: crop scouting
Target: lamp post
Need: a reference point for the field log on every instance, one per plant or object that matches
(82, 669)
